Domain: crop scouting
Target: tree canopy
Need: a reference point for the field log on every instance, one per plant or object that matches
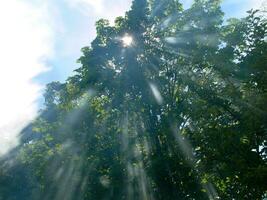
(169, 103)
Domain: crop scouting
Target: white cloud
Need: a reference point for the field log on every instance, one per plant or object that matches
(94, 5)
(238, 8)
(25, 40)
(102, 8)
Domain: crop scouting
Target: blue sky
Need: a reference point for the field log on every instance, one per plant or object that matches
(41, 41)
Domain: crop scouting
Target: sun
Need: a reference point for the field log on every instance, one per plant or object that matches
(127, 40)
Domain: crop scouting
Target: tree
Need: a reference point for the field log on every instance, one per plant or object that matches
(176, 113)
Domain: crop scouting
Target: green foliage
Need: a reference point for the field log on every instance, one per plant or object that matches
(180, 113)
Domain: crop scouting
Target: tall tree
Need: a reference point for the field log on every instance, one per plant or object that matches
(167, 104)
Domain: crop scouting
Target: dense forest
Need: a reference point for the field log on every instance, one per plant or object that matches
(168, 104)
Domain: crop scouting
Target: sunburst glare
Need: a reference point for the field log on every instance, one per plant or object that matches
(127, 40)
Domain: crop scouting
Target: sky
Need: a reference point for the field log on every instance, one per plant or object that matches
(40, 41)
